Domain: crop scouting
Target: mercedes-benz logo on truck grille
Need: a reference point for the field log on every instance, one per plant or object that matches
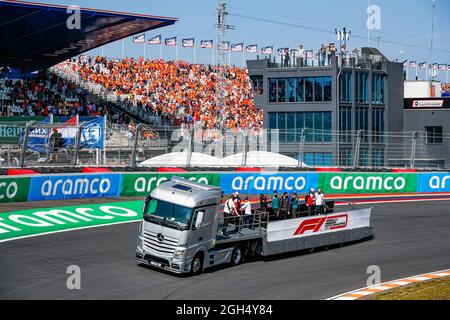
(160, 237)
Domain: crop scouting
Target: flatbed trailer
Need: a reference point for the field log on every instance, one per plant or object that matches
(184, 229)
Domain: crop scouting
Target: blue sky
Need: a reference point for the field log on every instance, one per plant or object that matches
(405, 25)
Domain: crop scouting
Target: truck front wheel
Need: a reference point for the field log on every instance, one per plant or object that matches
(197, 264)
(237, 257)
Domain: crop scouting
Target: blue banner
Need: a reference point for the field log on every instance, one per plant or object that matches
(257, 183)
(433, 182)
(93, 134)
(75, 187)
(38, 138)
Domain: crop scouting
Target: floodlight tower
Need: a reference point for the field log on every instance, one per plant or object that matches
(223, 47)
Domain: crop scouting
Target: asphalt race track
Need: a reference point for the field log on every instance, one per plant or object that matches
(411, 238)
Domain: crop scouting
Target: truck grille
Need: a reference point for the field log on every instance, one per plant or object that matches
(167, 246)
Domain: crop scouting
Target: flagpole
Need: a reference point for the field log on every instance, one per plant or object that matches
(160, 50)
(417, 71)
(243, 56)
(123, 49)
(176, 50)
(145, 53)
(103, 53)
(194, 53)
(213, 53)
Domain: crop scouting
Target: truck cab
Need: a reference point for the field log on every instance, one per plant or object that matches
(179, 225)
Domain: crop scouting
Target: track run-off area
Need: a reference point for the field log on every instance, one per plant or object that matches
(411, 238)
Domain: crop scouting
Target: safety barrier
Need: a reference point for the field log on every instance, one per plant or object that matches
(39, 187)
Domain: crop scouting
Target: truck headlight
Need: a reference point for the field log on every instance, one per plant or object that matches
(141, 227)
(178, 255)
(139, 243)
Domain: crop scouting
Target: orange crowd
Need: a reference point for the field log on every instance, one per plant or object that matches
(185, 93)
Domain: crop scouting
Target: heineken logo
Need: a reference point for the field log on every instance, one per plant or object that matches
(370, 183)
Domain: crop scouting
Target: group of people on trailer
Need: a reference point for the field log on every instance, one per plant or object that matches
(278, 207)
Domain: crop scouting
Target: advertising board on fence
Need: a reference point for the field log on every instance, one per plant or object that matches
(74, 187)
(14, 189)
(433, 182)
(367, 183)
(310, 226)
(142, 184)
(256, 183)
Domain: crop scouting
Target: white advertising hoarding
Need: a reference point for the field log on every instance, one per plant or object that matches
(315, 225)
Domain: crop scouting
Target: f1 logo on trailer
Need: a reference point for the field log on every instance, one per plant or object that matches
(322, 224)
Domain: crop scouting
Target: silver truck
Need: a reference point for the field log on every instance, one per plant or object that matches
(184, 229)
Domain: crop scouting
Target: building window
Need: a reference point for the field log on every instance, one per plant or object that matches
(319, 159)
(281, 90)
(378, 157)
(345, 157)
(272, 90)
(378, 125)
(290, 125)
(434, 135)
(345, 85)
(291, 89)
(327, 89)
(300, 90)
(345, 124)
(258, 84)
(318, 89)
(309, 89)
(362, 87)
(362, 122)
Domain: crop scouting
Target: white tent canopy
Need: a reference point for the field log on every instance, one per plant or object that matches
(261, 159)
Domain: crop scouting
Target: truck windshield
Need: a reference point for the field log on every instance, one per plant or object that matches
(169, 214)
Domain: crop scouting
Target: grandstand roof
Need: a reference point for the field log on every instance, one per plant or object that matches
(35, 35)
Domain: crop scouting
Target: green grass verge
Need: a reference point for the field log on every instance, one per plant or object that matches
(436, 289)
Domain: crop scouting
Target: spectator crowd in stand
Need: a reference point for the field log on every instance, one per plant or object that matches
(179, 92)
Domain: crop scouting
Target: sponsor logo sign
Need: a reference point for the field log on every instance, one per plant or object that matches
(143, 184)
(367, 183)
(311, 226)
(428, 103)
(40, 221)
(251, 183)
(74, 187)
(14, 189)
(433, 182)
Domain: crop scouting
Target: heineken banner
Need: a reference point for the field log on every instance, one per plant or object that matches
(12, 127)
(367, 183)
(14, 189)
(143, 184)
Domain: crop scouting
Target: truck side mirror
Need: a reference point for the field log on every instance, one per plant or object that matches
(199, 221)
(146, 205)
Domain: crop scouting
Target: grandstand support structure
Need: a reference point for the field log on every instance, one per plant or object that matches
(221, 57)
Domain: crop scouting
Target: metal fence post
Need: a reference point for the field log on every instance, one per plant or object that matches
(357, 148)
(302, 148)
(245, 151)
(413, 149)
(135, 144)
(190, 148)
(23, 147)
(77, 145)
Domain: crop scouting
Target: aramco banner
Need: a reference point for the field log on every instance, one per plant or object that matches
(367, 183)
(142, 184)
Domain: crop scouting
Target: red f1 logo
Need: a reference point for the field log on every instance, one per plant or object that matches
(311, 224)
(314, 225)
